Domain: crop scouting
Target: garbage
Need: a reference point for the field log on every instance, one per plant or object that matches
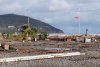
(87, 40)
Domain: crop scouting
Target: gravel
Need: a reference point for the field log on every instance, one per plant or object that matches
(55, 62)
(91, 59)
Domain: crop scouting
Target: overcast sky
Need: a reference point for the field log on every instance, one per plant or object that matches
(58, 13)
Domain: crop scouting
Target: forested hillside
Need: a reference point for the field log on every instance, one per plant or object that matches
(18, 20)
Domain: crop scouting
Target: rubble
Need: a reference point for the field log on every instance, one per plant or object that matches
(56, 45)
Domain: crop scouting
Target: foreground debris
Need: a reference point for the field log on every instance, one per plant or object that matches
(40, 56)
(90, 59)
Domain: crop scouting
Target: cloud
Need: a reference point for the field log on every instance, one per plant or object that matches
(87, 1)
(59, 5)
(1, 1)
(58, 13)
(12, 7)
(49, 20)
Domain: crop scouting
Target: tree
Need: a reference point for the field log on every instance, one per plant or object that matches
(23, 32)
(44, 35)
(27, 32)
(34, 31)
(24, 27)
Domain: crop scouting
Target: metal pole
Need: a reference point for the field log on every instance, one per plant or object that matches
(28, 19)
(79, 19)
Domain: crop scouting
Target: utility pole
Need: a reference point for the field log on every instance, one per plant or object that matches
(79, 19)
(28, 19)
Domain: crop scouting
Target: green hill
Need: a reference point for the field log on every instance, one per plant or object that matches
(18, 20)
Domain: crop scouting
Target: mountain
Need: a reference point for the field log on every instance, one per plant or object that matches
(12, 22)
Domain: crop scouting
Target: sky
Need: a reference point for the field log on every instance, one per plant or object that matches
(58, 13)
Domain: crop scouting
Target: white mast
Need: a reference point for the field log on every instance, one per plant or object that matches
(79, 19)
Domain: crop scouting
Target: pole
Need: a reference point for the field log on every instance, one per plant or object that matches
(28, 19)
(79, 20)
(38, 57)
